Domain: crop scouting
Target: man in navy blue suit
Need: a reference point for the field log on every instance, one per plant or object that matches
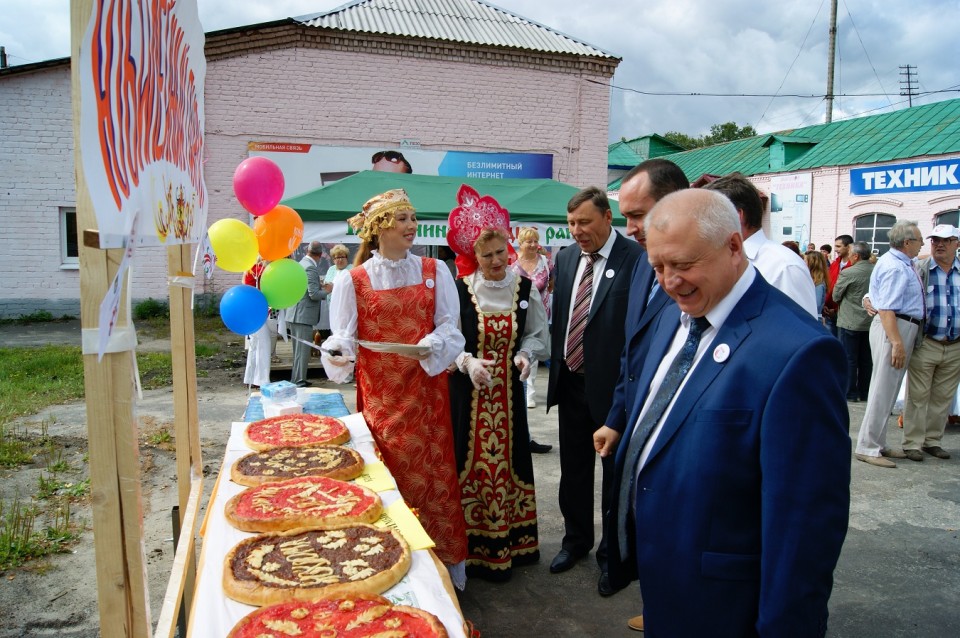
(734, 497)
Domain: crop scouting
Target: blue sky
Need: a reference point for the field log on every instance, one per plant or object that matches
(671, 46)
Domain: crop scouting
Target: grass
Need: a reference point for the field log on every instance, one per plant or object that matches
(21, 542)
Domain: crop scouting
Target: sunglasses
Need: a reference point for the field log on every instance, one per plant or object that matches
(390, 156)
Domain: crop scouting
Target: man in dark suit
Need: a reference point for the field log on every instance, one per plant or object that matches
(589, 306)
(305, 315)
(641, 188)
(736, 459)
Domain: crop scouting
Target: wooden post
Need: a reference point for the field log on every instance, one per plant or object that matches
(122, 590)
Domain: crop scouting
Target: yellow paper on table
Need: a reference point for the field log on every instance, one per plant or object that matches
(399, 517)
(376, 477)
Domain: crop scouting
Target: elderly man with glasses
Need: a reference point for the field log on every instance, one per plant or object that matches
(934, 369)
(896, 293)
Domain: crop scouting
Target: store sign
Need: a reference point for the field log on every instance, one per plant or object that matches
(937, 175)
(430, 233)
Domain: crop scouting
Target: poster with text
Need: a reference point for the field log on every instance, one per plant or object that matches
(790, 208)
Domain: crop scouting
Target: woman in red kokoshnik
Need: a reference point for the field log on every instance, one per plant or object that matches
(504, 324)
(391, 296)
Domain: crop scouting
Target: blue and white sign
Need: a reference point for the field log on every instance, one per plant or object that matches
(497, 165)
(936, 175)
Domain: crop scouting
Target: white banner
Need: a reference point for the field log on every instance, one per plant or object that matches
(790, 208)
(429, 233)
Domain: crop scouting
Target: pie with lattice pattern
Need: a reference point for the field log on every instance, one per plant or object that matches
(282, 463)
(306, 564)
(295, 430)
(352, 616)
(309, 501)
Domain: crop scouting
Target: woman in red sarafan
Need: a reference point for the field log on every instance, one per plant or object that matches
(391, 296)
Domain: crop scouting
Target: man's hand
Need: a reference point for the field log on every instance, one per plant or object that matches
(898, 356)
(868, 306)
(605, 441)
(523, 365)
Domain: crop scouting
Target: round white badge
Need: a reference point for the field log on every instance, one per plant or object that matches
(721, 353)
(524, 305)
(429, 283)
(609, 273)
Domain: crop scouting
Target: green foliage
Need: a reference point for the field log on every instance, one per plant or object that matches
(53, 488)
(20, 542)
(15, 449)
(160, 438)
(150, 308)
(207, 349)
(719, 133)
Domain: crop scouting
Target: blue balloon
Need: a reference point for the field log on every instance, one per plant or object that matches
(243, 309)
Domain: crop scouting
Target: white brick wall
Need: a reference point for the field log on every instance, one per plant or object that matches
(310, 95)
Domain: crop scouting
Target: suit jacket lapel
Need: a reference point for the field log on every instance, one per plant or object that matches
(614, 263)
(732, 333)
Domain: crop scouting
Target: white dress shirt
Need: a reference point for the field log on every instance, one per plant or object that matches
(783, 269)
(599, 266)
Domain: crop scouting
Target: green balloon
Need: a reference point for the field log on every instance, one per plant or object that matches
(283, 283)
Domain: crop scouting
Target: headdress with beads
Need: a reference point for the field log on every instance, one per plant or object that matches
(378, 213)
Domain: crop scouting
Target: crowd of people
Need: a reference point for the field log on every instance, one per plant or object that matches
(679, 352)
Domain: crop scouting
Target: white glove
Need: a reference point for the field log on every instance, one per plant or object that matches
(338, 360)
(523, 365)
(478, 371)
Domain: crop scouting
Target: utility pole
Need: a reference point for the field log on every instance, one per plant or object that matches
(3, 57)
(908, 84)
(832, 56)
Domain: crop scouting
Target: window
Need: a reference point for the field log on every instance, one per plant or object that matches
(69, 248)
(872, 228)
(951, 217)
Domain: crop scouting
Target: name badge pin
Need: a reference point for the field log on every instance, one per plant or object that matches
(524, 305)
(721, 353)
(609, 274)
(429, 283)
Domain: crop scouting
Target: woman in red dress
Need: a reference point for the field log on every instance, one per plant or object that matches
(392, 296)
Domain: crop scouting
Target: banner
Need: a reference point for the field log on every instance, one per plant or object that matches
(430, 233)
(937, 175)
(790, 208)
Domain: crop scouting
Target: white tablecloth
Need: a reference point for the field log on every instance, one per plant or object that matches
(213, 614)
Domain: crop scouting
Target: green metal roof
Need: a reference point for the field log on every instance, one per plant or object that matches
(932, 129)
(620, 155)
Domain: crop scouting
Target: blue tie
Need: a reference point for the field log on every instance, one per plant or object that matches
(671, 383)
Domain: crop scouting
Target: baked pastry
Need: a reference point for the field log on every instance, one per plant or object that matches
(349, 616)
(309, 501)
(282, 463)
(295, 430)
(305, 564)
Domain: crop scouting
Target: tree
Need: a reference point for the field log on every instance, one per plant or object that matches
(719, 133)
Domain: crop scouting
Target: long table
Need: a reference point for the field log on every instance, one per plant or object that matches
(427, 584)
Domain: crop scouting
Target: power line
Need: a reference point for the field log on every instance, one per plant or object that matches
(857, 31)
(815, 96)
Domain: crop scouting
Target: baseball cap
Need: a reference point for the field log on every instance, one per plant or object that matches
(944, 231)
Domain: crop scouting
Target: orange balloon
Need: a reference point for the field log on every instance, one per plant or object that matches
(278, 232)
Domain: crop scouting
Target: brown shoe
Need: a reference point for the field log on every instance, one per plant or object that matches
(937, 451)
(890, 453)
(636, 623)
(913, 455)
(879, 461)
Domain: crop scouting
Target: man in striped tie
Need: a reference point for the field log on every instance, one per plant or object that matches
(589, 307)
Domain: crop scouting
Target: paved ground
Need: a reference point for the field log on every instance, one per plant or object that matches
(899, 572)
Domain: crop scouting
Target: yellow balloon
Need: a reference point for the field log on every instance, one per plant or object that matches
(234, 243)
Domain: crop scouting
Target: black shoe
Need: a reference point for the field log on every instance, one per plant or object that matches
(304, 384)
(564, 560)
(539, 448)
(603, 585)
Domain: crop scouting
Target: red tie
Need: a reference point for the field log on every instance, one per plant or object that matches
(581, 310)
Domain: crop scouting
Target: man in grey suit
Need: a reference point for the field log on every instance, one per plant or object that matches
(305, 315)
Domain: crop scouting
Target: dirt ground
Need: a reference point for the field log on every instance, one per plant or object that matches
(57, 596)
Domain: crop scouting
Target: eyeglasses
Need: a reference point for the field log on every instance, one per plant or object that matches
(340, 257)
(390, 156)
(942, 240)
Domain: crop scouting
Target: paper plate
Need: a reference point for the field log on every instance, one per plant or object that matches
(395, 348)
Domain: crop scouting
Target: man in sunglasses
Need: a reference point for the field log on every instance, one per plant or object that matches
(390, 162)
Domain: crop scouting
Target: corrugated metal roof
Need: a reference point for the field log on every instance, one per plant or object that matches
(932, 129)
(467, 21)
(621, 155)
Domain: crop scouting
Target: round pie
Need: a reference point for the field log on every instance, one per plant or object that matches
(281, 463)
(351, 616)
(308, 501)
(306, 564)
(295, 430)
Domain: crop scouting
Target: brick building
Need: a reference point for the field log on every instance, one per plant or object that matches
(475, 78)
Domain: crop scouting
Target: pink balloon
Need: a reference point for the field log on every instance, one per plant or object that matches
(258, 185)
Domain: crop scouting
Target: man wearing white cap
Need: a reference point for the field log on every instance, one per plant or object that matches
(934, 369)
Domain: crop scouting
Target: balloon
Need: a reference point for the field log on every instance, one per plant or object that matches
(283, 283)
(243, 309)
(234, 243)
(258, 184)
(279, 233)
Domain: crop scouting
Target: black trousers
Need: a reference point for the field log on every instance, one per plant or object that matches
(856, 345)
(577, 459)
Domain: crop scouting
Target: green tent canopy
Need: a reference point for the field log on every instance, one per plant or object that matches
(433, 196)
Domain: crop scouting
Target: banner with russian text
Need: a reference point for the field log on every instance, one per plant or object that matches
(936, 175)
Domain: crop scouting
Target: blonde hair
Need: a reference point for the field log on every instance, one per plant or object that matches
(488, 234)
(817, 264)
(528, 233)
(339, 251)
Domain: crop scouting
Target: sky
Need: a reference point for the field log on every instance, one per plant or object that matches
(736, 48)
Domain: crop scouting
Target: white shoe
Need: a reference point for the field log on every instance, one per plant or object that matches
(531, 403)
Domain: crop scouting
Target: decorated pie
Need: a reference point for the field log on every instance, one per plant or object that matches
(306, 564)
(309, 501)
(350, 616)
(281, 463)
(295, 430)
